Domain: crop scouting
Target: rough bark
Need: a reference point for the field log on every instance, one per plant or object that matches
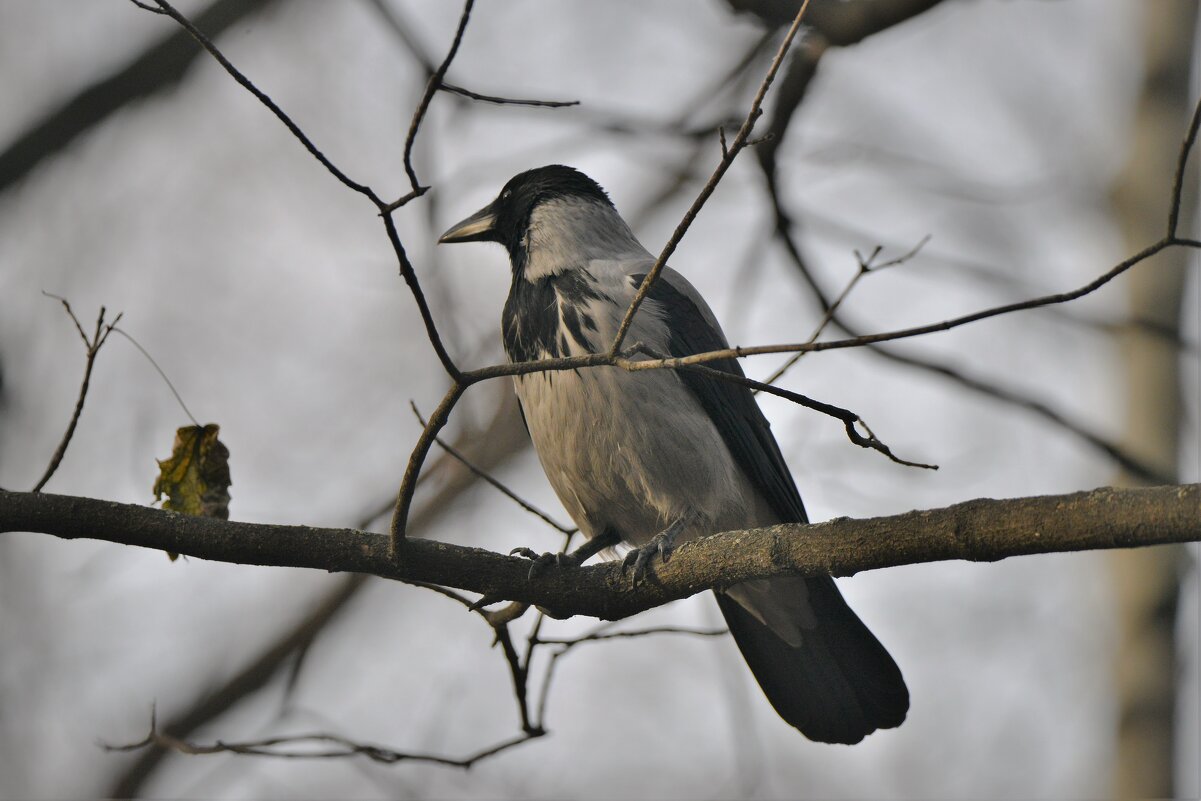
(981, 530)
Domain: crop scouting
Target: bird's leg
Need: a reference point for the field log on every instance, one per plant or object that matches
(662, 543)
(606, 539)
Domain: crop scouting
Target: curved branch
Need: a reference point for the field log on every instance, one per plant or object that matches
(431, 88)
(385, 209)
(981, 530)
(236, 74)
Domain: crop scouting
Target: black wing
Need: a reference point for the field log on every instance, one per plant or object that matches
(730, 406)
(840, 684)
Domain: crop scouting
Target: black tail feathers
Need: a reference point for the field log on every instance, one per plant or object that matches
(839, 685)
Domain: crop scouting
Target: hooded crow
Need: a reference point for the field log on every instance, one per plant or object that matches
(648, 457)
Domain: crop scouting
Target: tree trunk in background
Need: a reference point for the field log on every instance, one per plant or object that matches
(1147, 582)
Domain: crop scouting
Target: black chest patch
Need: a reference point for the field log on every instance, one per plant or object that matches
(539, 316)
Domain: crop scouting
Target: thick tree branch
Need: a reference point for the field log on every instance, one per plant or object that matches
(981, 530)
(489, 448)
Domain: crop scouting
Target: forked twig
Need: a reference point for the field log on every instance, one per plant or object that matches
(431, 88)
(866, 266)
(92, 345)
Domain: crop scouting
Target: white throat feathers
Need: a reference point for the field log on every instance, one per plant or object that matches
(567, 233)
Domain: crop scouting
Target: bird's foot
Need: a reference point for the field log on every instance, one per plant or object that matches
(663, 543)
(591, 547)
(539, 562)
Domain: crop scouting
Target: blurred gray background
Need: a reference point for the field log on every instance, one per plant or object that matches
(1028, 139)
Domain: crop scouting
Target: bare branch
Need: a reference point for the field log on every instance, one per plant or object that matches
(410, 276)
(385, 209)
(491, 447)
(508, 493)
(408, 484)
(204, 42)
(981, 530)
(431, 88)
(507, 101)
(335, 747)
(849, 419)
(92, 346)
(993, 390)
(1177, 195)
(625, 635)
(742, 351)
(626, 361)
(727, 159)
(865, 267)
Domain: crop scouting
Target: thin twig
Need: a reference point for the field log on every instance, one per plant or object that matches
(92, 346)
(866, 267)
(162, 374)
(344, 748)
(431, 88)
(851, 342)
(851, 421)
(625, 635)
(599, 634)
(696, 363)
(508, 493)
(719, 172)
(989, 389)
(507, 101)
(406, 268)
(409, 274)
(408, 484)
(518, 673)
(204, 42)
(1186, 148)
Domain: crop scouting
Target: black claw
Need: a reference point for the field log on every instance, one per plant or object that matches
(662, 543)
(539, 565)
(638, 560)
(540, 562)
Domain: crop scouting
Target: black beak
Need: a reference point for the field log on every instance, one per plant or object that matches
(476, 228)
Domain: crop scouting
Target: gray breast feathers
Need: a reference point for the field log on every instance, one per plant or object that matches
(626, 451)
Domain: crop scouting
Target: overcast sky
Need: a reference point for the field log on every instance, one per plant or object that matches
(269, 294)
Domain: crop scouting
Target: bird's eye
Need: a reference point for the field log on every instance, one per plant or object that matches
(505, 195)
